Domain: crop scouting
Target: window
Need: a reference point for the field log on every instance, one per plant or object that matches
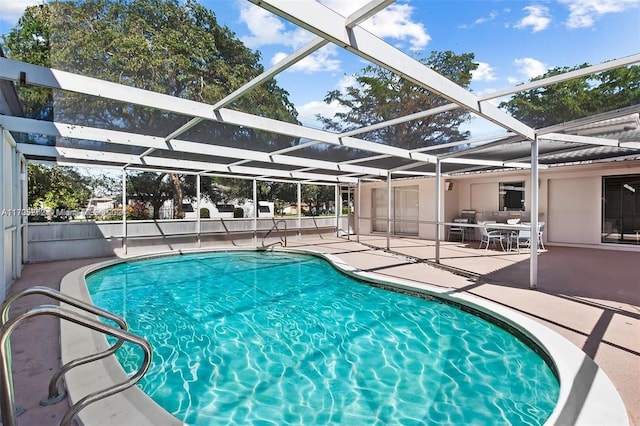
(621, 209)
(512, 196)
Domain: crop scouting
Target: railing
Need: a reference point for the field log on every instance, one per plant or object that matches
(275, 226)
(7, 401)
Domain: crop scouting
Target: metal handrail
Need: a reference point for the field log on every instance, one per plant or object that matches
(7, 402)
(55, 395)
(275, 226)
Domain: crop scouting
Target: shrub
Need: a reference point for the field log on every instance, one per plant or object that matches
(204, 213)
(138, 211)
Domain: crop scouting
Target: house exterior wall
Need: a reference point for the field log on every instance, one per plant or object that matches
(570, 200)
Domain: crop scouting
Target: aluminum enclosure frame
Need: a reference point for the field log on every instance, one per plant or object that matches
(346, 32)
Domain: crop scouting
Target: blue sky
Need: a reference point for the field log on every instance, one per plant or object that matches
(512, 40)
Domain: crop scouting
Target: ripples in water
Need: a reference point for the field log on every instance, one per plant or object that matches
(273, 338)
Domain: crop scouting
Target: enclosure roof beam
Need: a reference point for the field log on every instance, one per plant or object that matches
(56, 79)
(582, 72)
(588, 140)
(29, 125)
(330, 25)
(494, 163)
(566, 76)
(491, 138)
(285, 63)
(400, 120)
(70, 154)
(132, 139)
(360, 15)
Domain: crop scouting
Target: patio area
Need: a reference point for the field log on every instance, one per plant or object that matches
(589, 296)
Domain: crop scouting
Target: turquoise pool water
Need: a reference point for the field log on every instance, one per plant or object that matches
(276, 338)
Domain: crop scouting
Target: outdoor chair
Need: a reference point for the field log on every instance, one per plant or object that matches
(491, 236)
(522, 238)
(457, 230)
(540, 231)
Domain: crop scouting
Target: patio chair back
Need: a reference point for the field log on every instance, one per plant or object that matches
(490, 236)
(457, 230)
(521, 239)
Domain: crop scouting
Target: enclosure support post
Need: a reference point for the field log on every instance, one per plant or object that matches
(388, 210)
(25, 204)
(357, 210)
(255, 212)
(533, 266)
(299, 209)
(337, 197)
(124, 210)
(198, 226)
(349, 188)
(17, 219)
(438, 208)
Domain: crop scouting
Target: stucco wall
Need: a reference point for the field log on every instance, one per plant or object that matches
(569, 202)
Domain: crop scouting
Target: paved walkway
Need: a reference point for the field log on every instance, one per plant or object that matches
(591, 297)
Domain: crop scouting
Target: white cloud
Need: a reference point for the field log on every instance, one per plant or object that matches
(537, 18)
(395, 22)
(530, 67)
(322, 60)
(583, 13)
(479, 127)
(11, 11)
(493, 15)
(347, 80)
(481, 20)
(484, 72)
(267, 29)
(307, 112)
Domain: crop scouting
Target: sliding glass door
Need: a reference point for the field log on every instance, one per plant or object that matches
(404, 213)
(621, 209)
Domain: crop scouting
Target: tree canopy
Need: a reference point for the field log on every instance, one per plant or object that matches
(167, 46)
(381, 95)
(577, 98)
(57, 188)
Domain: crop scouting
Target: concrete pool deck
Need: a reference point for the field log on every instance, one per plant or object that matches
(591, 297)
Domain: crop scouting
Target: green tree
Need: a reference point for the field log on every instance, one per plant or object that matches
(167, 46)
(577, 98)
(150, 188)
(57, 188)
(29, 42)
(381, 95)
(318, 196)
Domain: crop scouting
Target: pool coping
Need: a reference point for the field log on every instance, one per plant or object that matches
(587, 396)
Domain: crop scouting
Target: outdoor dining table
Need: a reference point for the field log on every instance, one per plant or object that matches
(508, 230)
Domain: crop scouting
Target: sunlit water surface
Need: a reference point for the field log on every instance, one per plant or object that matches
(276, 338)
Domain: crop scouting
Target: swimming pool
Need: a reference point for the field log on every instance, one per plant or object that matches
(281, 338)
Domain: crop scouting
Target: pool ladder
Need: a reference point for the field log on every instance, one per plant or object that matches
(283, 241)
(7, 406)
